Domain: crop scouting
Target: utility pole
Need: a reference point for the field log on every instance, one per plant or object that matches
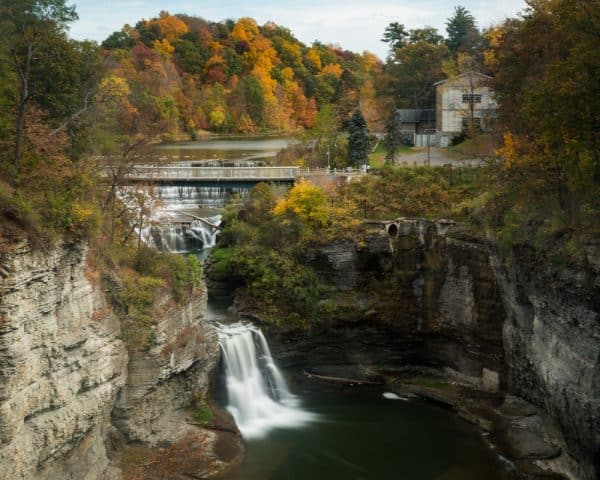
(429, 131)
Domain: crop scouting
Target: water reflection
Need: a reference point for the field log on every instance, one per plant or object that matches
(232, 148)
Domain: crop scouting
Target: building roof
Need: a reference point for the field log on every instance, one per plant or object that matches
(482, 75)
(412, 115)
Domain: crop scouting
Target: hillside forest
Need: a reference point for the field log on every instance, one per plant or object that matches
(76, 115)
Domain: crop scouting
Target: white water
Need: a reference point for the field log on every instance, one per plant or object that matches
(195, 236)
(393, 396)
(258, 396)
(193, 196)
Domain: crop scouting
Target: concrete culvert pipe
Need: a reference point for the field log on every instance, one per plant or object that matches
(392, 230)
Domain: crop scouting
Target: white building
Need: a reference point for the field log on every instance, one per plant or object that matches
(463, 100)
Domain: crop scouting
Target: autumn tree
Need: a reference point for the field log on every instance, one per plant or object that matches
(545, 67)
(411, 73)
(28, 26)
(305, 202)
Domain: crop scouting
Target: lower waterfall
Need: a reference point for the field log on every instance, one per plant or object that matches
(258, 396)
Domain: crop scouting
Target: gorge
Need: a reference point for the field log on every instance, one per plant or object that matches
(424, 310)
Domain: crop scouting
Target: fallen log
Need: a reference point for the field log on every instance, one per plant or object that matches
(341, 379)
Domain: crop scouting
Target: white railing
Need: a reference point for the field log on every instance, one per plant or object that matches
(215, 173)
(178, 173)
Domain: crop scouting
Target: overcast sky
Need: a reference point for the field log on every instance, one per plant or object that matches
(356, 25)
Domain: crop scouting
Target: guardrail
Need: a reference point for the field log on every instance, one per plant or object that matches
(224, 174)
(214, 173)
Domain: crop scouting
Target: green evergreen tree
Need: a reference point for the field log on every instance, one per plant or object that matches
(395, 35)
(358, 139)
(393, 136)
(462, 31)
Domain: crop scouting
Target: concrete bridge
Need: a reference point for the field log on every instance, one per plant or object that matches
(178, 175)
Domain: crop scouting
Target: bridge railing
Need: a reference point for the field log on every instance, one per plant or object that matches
(216, 173)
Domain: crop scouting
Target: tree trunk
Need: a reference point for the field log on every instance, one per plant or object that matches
(23, 100)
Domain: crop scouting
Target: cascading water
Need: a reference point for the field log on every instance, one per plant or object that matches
(180, 238)
(258, 396)
(195, 196)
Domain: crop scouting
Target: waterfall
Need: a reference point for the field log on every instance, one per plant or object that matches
(181, 238)
(194, 196)
(258, 396)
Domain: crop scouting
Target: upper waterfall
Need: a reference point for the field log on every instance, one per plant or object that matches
(181, 238)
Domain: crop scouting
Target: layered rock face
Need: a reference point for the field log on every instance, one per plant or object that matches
(552, 346)
(67, 381)
(61, 366)
(440, 296)
(160, 382)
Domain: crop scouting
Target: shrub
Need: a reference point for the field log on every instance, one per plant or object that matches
(203, 414)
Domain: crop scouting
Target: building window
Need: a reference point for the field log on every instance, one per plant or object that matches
(471, 98)
(466, 121)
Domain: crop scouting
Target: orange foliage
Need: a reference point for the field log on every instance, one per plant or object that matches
(170, 27)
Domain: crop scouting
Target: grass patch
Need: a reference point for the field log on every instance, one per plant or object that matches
(377, 156)
(203, 414)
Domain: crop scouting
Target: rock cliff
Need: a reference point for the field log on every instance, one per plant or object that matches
(438, 295)
(66, 378)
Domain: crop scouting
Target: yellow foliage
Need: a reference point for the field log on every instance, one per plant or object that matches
(519, 151)
(494, 37)
(332, 68)
(245, 124)
(80, 213)
(113, 88)
(214, 61)
(263, 75)
(217, 117)
(370, 60)
(292, 49)
(314, 58)
(307, 202)
(245, 30)
(288, 74)
(163, 46)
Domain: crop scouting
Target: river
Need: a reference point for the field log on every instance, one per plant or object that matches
(236, 150)
(325, 435)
